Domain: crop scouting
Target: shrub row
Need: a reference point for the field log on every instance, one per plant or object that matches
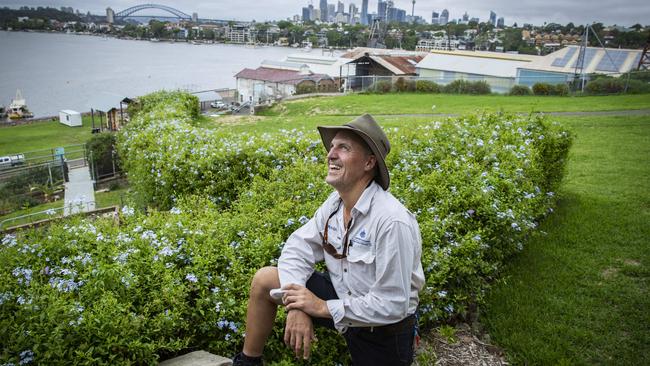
(609, 85)
(426, 86)
(176, 278)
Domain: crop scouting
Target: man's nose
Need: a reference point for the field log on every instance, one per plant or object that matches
(331, 154)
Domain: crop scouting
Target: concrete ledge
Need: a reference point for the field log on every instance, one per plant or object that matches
(197, 358)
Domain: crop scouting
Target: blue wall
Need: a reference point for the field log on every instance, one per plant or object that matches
(531, 77)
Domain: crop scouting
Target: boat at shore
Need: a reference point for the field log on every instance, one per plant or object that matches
(18, 108)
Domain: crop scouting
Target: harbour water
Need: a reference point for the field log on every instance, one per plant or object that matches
(58, 71)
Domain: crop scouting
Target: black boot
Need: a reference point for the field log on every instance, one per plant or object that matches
(241, 359)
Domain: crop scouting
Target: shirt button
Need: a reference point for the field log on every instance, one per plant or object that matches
(345, 269)
(349, 292)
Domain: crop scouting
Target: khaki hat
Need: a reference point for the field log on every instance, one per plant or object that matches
(367, 128)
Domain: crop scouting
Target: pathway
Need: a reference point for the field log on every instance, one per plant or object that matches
(79, 191)
(625, 112)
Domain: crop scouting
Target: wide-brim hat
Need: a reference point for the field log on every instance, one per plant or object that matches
(367, 128)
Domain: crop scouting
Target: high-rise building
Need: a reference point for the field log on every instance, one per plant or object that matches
(312, 12)
(493, 18)
(444, 17)
(195, 17)
(110, 16)
(382, 10)
(340, 8)
(306, 16)
(323, 10)
(501, 22)
(331, 12)
(435, 18)
(353, 10)
(466, 17)
(364, 12)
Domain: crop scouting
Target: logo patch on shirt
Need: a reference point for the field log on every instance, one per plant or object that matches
(361, 238)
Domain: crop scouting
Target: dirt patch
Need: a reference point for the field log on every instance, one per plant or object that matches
(237, 120)
(465, 349)
(609, 273)
(632, 262)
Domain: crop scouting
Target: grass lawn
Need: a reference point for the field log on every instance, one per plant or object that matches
(357, 104)
(580, 294)
(577, 295)
(43, 135)
(102, 199)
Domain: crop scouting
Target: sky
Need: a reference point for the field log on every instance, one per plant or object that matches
(537, 12)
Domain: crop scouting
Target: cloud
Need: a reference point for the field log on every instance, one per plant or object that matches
(626, 12)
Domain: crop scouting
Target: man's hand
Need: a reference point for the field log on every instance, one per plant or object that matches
(299, 297)
(299, 333)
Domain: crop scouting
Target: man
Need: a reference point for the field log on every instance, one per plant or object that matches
(371, 246)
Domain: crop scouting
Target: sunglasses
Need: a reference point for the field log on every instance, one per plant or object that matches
(329, 248)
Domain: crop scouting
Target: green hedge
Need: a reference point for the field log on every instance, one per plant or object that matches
(550, 89)
(426, 86)
(467, 87)
(176, 279)
(520, 90)
(609, 85)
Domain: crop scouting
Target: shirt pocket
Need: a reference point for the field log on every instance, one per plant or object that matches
(361, 252)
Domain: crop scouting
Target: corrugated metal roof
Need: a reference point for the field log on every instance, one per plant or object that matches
(207, 96)
(278, 75)
(472, 64)
(398, 65)
(295, 66)
(596, 60)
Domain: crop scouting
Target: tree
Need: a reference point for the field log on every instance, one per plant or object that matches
(157, 28)
(283, 24)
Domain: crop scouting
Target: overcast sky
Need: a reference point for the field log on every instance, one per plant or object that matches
(609, 12)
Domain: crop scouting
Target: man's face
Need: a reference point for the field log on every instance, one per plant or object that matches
(348, 161)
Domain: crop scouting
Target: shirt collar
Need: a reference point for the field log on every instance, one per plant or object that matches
(363, 203)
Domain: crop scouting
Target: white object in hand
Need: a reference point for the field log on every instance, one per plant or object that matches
(277, 293)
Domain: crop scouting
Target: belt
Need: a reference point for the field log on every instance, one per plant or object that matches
(404, 325)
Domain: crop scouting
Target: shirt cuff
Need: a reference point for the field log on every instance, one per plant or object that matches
(336, 310)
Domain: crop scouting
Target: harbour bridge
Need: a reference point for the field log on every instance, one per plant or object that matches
(128, 12)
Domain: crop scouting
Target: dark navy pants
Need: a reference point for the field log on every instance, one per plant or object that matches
(387, 345)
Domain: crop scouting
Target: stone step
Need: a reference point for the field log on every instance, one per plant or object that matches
(197, 358)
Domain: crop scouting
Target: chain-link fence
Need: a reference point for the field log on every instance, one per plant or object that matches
(522, 84)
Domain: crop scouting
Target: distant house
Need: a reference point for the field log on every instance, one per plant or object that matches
(275, 80)
(372, 63)
(111, 110)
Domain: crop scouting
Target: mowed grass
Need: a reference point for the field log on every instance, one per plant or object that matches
(43, 135)
(102, 200)
(579, 295)
(411, 103)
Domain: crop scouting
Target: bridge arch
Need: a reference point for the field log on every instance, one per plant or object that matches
(126, 12)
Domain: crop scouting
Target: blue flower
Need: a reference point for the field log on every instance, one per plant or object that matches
(191, 277)
(26, 357)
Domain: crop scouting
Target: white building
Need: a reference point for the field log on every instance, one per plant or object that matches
(70, 118)
(274, 80)
(497, 69)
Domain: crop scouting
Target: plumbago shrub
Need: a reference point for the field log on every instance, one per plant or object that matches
(176, 278)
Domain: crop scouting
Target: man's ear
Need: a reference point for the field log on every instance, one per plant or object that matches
(371, 163)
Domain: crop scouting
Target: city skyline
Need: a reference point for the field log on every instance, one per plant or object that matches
(536, 12)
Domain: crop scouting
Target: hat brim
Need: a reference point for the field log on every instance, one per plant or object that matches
(327, 134)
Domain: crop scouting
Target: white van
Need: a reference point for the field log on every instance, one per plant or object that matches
(7, 162)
